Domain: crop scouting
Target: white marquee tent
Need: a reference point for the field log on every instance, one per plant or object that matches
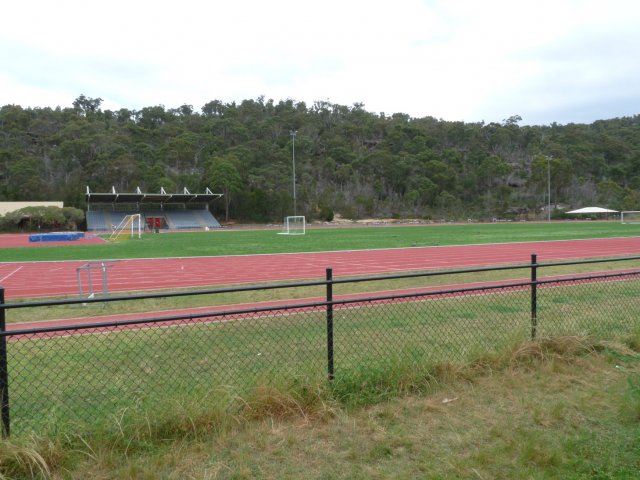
(593, 210)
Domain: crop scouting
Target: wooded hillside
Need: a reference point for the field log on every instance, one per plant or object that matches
(348, 160)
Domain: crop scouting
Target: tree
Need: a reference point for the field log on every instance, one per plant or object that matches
(37, 218)
(448, 205)
(610, 194)
(225, 178)
(559, 170)
(86, 105)
(631, 200)
(492, 170)
(422, 190)
(441, 174)
(374, 164)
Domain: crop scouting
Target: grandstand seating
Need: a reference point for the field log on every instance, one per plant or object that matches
(183, 219)
(103, 220)
(183, 210)
(206, 219)
(98, 220)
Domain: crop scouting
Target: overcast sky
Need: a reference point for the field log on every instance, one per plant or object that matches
(558, 61)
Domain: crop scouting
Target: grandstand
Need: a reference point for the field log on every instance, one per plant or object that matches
(174, 211)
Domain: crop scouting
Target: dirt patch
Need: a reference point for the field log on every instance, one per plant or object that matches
(340, 220)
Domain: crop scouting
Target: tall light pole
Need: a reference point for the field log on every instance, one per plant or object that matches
(293, 155)
(549, 186)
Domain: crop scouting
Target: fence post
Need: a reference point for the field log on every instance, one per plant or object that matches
(534, 295)
(329, 284)
(4, 371)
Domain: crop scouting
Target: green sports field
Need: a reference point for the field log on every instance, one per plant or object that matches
(143, 391)
(247, 242)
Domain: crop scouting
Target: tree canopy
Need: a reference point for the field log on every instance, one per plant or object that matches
(348, 160)
(42, 218)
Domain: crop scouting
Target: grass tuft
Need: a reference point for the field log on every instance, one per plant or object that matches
(633, 340)
(377, 380)
(548, 349)
(184, 417)
(297, 399)
(28, 458)
(633, 394)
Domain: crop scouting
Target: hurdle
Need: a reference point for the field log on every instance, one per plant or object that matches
(102, 271)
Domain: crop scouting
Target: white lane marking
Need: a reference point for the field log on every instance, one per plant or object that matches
(7, 276)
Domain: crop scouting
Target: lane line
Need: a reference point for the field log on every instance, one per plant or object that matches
(15, 271)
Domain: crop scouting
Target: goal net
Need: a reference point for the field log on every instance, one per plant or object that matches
(295, 225)
(630, 216)
(130, 227)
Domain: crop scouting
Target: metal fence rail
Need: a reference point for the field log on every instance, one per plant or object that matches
(75, 376)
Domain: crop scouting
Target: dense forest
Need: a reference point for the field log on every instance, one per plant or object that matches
(347, 160)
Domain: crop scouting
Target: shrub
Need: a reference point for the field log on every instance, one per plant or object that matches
(41, 218)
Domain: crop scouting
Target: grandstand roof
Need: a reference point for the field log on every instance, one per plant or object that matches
(140, 197)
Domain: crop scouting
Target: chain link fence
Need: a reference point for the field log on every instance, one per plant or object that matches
(82, 375)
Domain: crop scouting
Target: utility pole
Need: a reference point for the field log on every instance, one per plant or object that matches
(549, 186)
(293, 154)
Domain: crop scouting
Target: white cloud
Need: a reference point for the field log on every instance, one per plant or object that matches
(457, 60)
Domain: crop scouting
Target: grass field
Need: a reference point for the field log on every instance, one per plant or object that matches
(542, 411)
(249, 398)
(440, 389)
(246, 242)
(378, 347)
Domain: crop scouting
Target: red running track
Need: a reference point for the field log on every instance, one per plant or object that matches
(43, 279)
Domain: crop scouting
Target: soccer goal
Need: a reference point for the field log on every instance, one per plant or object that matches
(130, 227)
(294, 225)
(630, 216)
